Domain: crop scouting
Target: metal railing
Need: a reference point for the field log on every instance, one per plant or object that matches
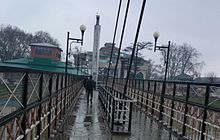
(189, 109)
(33, 103)
(117, 109)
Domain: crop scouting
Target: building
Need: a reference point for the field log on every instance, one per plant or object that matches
(82, 61)
(45, 57)
(104, 58)
(85, 63)
(141, 67)
(46, 51)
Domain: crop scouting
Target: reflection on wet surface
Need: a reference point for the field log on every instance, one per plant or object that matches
(86, 123)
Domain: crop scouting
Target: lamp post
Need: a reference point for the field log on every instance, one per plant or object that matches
(74, 40)
(156, 36)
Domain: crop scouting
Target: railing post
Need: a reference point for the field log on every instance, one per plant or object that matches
(129, 87)
(162, 100)
(113, 114)
(142, 96)
(130, 116)
(138, 88)
(152, 107)
(172, 106)
(148, 89)
(65, 93)
(61, 104)
(109, 107)
(186, 110)
(135, 88)
(68, 91)
(40, 106)
(107, 103)
(57, 88)
(24, 102)
(120, 107)
(121, 85)
(205, 112)
(50, 93)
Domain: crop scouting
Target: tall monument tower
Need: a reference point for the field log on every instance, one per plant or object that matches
(96, 44)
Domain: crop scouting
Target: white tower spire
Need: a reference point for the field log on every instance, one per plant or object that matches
(96, 44)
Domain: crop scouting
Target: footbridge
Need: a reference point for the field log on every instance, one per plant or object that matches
(48, 105)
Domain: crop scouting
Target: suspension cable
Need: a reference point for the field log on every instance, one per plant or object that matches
(121, 40)
(134, 44)
(113, 42)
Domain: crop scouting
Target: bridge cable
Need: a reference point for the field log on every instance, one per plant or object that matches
(135, 42)
(121, 40)
(113, 42)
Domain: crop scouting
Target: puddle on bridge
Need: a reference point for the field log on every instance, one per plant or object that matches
(86, 123)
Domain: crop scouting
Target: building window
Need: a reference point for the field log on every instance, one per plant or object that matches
(44, 51)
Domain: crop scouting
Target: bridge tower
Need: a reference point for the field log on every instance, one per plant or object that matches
(96, 44)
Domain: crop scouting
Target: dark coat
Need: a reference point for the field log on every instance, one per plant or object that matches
(90, 84)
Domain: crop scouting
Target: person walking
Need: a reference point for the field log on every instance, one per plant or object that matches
(84, 84)
(90, 85)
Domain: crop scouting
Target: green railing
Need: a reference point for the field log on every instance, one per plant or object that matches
(189, 109)
(33, 103)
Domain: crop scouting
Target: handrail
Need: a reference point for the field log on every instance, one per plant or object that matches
(117, 110)
(123, 100)
(183, 106)
(44, 98)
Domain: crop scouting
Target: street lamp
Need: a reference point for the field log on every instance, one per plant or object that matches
(156, 36)
(74, 40)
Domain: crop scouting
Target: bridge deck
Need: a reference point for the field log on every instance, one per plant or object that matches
(85, 122)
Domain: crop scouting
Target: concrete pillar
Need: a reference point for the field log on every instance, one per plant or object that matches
(96, 44)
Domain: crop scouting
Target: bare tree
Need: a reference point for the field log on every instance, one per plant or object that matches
(44, 37)
(138, 54)
(154, 71)
(14, 42)
(211, 77)
(183, 59)
(140, 46)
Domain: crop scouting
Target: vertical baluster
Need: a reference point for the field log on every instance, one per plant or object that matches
(205, 112)
(50, 102)
(130, 115)
(162, 100)
(142, 95)
(138, 93)
(40, 106)
(57, 88)
(129, 87)
(172, 107)
(185, 110)
(152, 107)
(147, 98)
(109, 108)
(24, 102)
(113, 115)
(61, 100)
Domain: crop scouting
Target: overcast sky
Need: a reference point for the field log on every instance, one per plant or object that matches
(195, 22)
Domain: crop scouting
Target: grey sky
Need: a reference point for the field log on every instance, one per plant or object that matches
(192, 21)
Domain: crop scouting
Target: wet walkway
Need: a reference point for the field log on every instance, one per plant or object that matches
(86, 123)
